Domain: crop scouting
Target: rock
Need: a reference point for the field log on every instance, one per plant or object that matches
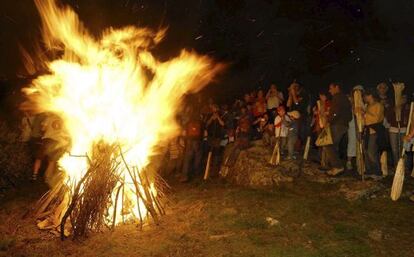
(230, 211)
(355, 190)
(272, 222)
(375, 235)
(218, 237)
(252, 169)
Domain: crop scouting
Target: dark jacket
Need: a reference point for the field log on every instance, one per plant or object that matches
(405, 113)
(340, 113)
(382, 138)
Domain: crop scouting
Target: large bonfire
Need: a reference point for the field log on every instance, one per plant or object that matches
(117, 103)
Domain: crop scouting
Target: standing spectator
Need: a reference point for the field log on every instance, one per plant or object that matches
(299, 101)
(374, 118)
(352, 132)
(259, 107)
(294, 99)
(321, 112)
(229, 123)
(215, 126)
(192, 152)
(383, 95)
(338, 118)
(274, 98)
(292, 137)
(396, 140)
(242, 138)
(282, 124)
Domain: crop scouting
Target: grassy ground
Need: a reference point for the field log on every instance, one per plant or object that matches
(216, 219)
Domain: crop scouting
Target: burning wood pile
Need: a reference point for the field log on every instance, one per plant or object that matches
(117, 103)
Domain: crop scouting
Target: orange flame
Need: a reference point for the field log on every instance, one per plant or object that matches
(102, 91)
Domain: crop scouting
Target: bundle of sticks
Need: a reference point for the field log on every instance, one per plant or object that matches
(93, 203)
(398, 181)
(358, 106)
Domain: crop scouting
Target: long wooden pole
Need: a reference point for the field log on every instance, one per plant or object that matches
(398, 180)
(207, 170)
(359, 128)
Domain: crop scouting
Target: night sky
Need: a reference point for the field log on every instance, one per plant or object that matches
(354, 42)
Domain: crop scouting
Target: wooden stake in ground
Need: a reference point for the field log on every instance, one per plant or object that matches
(275, 159)
(359, 126)
(398, 181)
(384, 163)
(207, 170)
(307, 147)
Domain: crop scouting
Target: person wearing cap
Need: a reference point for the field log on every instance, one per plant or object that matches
(339, 116)
(374, 118)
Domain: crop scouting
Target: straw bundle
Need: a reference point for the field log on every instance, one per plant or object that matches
(359, 126)
(359, 105)
(322, 116)
(398, 181)
(398, 89)
(275, 159)
(87, 207)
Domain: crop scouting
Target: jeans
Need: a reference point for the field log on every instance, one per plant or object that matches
(291, 142)
(373, 165)
(192, 157)
(332, 151)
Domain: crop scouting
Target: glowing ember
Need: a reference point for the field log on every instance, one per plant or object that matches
(113, 90)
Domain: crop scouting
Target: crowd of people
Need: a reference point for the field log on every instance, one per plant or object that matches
(339, 124)
(288, 117)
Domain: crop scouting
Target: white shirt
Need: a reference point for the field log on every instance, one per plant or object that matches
(274, 101)
(281, 125)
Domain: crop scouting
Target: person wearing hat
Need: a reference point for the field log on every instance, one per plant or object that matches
(374, 118)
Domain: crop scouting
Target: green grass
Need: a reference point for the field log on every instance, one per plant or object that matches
(313, 223)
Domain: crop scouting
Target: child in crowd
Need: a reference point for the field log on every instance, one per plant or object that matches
(286, 130)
